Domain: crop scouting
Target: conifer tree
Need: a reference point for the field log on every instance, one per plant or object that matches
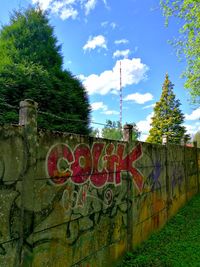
(168, 118)
(31, 66)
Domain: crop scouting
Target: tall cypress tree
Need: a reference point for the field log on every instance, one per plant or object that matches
(31, 66)
(168, 118)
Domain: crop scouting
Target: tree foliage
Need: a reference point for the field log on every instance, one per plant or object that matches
(31, 67)
(112, 130)
(188, 43)
(167, 118)
(197, 138)
(95, 132)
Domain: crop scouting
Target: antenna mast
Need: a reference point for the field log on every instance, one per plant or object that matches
(120, 94)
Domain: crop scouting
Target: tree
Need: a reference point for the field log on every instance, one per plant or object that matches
(188, 43)
(31, 67)
(167, 118)
(95, 132)
(112, 130)
(197, 138)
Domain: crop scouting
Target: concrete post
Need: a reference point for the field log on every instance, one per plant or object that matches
(164, 139)
(28, 113)
(168, 189)
(28, 120)
(127, 136)
(197, 164)
(127, 132)
(185, 171)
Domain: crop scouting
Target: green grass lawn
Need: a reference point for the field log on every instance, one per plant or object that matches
(177, 244)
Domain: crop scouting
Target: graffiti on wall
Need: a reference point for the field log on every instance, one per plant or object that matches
(177, 181)
(101, 165)
(72, 199)
(89, 184)
(154, 176)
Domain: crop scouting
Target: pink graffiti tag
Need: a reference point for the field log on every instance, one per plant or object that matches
(102, 164)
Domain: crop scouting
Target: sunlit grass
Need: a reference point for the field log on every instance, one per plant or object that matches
(177, 244)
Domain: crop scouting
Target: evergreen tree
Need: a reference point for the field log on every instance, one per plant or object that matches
(167, 117)
(31, 67)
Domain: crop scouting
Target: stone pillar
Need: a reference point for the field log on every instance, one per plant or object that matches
(27, 112)
(164, 139)
(127, 137)
(127, 132)
(197, 163)
(28, 121)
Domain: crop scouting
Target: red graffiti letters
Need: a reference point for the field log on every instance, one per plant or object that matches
(101, 164)
(82, 166)
(126, 164)
(58, 163)
(100, 174)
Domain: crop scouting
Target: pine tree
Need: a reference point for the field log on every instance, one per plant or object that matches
(168, 118)
(31, 66)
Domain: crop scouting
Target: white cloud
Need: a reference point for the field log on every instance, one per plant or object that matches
(133, 71)
(67, 13)
(69, 2)
(98, 105)
(66, 9)
(192, 129)
(56, 6)
(44, 4)
(149, 106)
(63, 8)
(111, 112)
(89, 5)
(139, 98)
(144, 126)
(195, 115)
(97, 41)
(113, 25)
(121, 53)
(105, 24)
(121, 41)
(104, 108)
(105, 3)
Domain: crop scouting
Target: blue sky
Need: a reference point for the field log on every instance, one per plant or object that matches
(97, 34)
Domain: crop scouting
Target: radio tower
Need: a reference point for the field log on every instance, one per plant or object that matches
(120, 94)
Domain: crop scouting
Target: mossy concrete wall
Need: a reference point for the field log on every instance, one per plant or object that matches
(72, 200)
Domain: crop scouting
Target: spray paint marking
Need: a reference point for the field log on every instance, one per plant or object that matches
(101, 165)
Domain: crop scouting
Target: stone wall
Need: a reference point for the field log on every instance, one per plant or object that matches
(72, 200)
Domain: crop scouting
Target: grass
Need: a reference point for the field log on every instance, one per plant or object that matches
(177, 244)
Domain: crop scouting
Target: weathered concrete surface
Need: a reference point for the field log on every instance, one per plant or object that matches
(70, 200)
